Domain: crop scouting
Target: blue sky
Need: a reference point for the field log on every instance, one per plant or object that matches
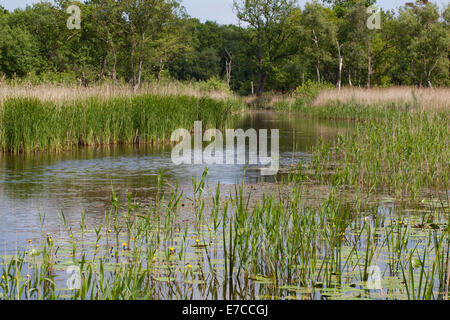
(218, 10)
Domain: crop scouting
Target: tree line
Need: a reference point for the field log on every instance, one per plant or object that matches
(277, 45)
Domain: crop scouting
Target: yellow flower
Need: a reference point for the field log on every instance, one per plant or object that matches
(189, 266)
(109, 230)
(28, 275)
(3, 277)
(124, 244)
(97, 246)
(171, 249)
(197, 241)
(132, 239)
(70, 236)
(30, 241)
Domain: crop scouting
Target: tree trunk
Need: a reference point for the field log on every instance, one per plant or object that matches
(263, 84)
(259, 89)
(133, 70)
(104, 67)
(114, 70)
(316, 41)
(340, 63)
(161, 68)
(259, 84)
(428, 74)
(318, 70)
(138, 82)
(140, 61)
(229, 65)
(262, 79)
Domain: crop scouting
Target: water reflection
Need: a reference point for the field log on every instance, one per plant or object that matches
(82, 179)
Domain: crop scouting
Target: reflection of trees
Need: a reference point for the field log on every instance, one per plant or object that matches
(296, 131)
(65, 181)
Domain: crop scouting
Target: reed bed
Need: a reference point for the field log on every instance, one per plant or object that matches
(281, 248)
(419, 99)
(63, 93)
(402, 153)
(398, 143)
(351, 103)
(29, 124)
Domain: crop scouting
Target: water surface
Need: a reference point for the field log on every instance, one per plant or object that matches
(82, 179)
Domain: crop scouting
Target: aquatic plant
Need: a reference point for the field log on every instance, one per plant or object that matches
(402, 153)
(281, 247)
(28, 125)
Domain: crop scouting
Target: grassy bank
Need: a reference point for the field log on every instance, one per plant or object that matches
(29, 124)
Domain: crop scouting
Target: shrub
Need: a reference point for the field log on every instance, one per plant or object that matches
(309, 90)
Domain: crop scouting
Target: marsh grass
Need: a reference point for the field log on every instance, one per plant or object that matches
(280, 248)
(424, 99)
(400, 146)
(29, 124)
(63, 93)
(402, 153)
(357, 103)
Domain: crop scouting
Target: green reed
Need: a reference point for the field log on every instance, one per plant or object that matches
(281, 246)
(28, 125)
(343, 111)
(397, 148)
(402, 153)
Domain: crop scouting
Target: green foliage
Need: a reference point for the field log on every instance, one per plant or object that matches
(213, 84)
(277, 48)
(28, 125)
(310, 90)
(271, 29)
(342, 6)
